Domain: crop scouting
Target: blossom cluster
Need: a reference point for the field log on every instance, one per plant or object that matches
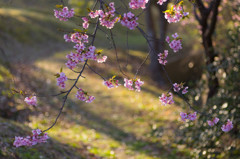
(102, 60)
(160, 2)
(129, 20)
(228, 126)
(130, 84)
(111, 82)
(64, 14)
(37, 137)
(175, 14)
(85, 22)
(82, 52)
(163, 57)
(178, 87)
(175, 44)
(136, 4)
(185, 116)
(61, 78)
(31, 100)
(166, 99)
(213, 122)
(83, 96)
(106, 17)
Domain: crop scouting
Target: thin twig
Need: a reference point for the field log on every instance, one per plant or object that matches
(116, 53)
(96, 72)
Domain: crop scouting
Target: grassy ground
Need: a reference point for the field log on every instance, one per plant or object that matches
(118, 124)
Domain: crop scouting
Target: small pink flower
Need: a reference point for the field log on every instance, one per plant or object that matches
(37, 137)
(108, 84)
(176, 14)
(167, 39)
(31, 100)
(83, 96)
(85, 22)
(64, 14)
(90, 99)
(184, 91)
(166, 99)
(160, 2)
(130, 83)
(184, 116)
(61, 80)
(102, 60)
(213, 122)
(228, 126)
(136, 4)
(129, 20)
(178, 87)
(138, 83)
(192, 116)
(162, 57)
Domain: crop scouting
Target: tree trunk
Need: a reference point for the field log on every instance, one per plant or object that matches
(208, 24)
(158, 44)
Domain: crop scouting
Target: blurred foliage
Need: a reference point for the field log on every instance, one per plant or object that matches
(211, 142)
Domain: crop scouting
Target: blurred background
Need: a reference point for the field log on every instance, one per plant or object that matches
(120, 123)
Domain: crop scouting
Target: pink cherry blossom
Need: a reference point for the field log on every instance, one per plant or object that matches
(213, 122)
(64, 14)
(129, 20)
(136, 4)
(78, 37)
(128, 84)
(228, 126)
(175, 44)
(31, 100)
(90, 99)
(185, 90)
(176, 14)
(162, 57)
(166, 99)
(108, 84)
(106, 17)
(184, 116)
(160, 2)
(83, 96)
(167, 39)
(135, 82)
(67, 38)
(102, 60)
(111, 83)
(85, 22)
(175, 35)
(178, 87)
(192, 116)
(61, 80)
(37, 137)
(138, 83)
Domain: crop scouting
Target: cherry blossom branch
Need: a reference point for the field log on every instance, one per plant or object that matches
(140, 66)
(165, 72)
(116, 53)
(66, 96)
(79, 75)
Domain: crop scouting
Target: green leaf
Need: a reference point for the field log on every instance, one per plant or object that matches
(89, 10)
(78, 30)
(57, 75)
(59, 6)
